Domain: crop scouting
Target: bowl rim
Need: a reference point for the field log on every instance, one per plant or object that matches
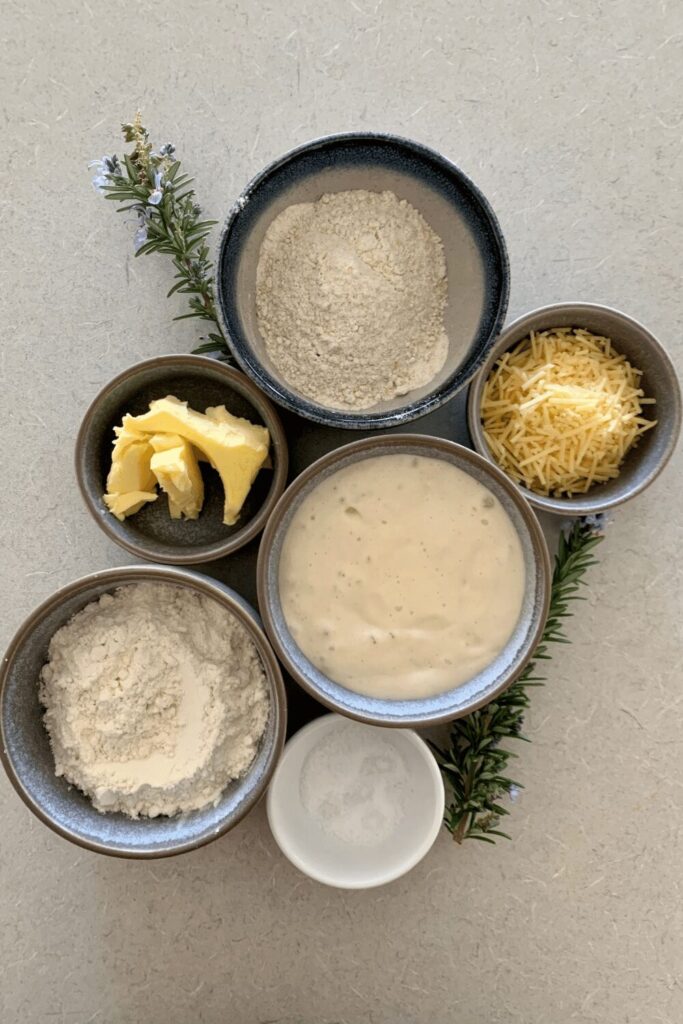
(239, 382)
(409, 862)
(277, 390)
(567, 506)
(122, 575)
(429, 442)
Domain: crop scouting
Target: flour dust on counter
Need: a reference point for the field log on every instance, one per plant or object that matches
(401, 576)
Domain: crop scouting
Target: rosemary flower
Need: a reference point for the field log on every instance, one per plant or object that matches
(150, 184)
(597, 523)
(594, 524)
(104, 167)
(141, 234)
(157, 195)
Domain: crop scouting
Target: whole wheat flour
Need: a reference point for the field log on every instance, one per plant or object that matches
(350, 298)
(155, 700)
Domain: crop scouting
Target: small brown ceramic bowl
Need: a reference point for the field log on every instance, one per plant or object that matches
(647, 459)
(460, 700)
(151, 533)
(26, 753)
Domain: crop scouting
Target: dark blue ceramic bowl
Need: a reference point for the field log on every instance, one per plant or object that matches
(476, 259)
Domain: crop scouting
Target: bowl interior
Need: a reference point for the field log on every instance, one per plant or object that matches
(646, 459)
(152, 530)
(463, 698)
(449, 202)
(330, 860)
(30, 763)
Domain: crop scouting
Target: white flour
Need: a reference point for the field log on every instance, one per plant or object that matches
(350, 296)
(155, 700)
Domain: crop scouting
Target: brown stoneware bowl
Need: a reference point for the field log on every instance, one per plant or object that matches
(461, 699)
(151, 533)
(27, 756)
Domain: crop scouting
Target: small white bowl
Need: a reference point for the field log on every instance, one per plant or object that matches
(331, 860)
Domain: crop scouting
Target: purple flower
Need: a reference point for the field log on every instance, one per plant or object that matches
(99, 182)
(566, 527)
(157, 195)
(141, 234)
(597, 523)
(107, 166)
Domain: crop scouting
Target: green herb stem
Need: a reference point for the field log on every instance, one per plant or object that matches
(475, 765)
(169, 221)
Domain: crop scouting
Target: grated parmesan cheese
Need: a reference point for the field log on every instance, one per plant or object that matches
(561, 410)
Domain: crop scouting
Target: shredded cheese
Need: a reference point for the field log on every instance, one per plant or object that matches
(561, 410)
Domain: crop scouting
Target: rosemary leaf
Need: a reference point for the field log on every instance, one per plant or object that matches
(150, 184)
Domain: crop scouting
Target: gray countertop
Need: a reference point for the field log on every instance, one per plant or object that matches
(568, 116)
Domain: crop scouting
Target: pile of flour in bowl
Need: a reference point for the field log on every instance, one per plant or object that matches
(350, 296)
(155, 699)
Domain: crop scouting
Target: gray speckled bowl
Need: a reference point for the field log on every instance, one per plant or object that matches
(476, 258)
(644, 462)
(151, 533)
(444, 706)
(26, 753)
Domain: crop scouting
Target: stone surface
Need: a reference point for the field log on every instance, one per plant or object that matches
(568, 116)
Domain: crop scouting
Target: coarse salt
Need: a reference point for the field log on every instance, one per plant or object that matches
(355, 784)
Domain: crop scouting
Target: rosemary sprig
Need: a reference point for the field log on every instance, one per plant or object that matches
(150, 184)
(475, 766)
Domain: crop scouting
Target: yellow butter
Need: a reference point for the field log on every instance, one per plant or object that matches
(174, 464)
(122, 505)
(236, 448)
(130, 469)
(220, 414)
(130, 473)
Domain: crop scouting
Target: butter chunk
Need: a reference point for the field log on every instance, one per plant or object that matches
(131, 469)
(236, 448)
(220, 414)
(122, 505)
(130, 476)
(174, 464)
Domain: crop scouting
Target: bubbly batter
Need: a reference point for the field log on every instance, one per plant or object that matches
(401, 576)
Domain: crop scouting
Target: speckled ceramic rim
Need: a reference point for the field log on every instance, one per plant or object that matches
(237, 381)
(276, 389)
(411, 860)
(542, 319)
(380, 445)
(230, 600)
